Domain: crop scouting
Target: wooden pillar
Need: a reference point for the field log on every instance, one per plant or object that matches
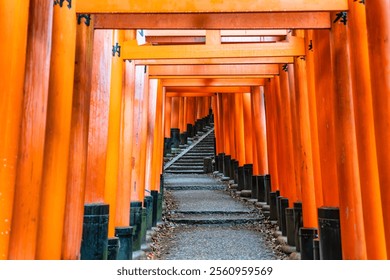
(151, 126)
(325, 103)
(287, 183)
(122, 216)
(239, 128)
(167, 118)
(351, 212)
(175, 107)
(311, 193)
(365, 133)
(31, 143)
(246, 99)
(227, 129)
(217, 124)
(139, 134)
(158, 137)
(113, 137)
(182, 127)
(219, 121)
(190, 113)
(378, 29)
(13, 27)
(144, 92)
(312, 114)
(232, 124)
(77, 169)
(272, 136)
(99, 117)
(260, 131)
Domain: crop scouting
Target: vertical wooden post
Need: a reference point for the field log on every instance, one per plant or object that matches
(239, 128)
(13, 27)
(226, 125)
(99, 115)
(351, 214)
(122, 216)
(113, 137)
(151, 127)
(365, 132)
(378, 29)
(325, 103)
(77, 169)
(269, 94)
(231, 122)
(217, 124)
(31, 143)
(182, 127)
(175, 107)
(312, 113)
(259, 129)
(287, 183)
(248, 127)
(190, 113)
(221, 139)
(59, 117)
(167, 118)
(311, 193)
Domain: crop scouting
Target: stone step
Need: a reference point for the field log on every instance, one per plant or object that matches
(184, 171)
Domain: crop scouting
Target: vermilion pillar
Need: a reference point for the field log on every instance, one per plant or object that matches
(271, 119)
(175, 108)
(113, 137)
(311, 193)
(59, 116)
(378, 29)
(31, 143)
(325, 103)
(122, 216)
(220, 139)
(99, 117)
(239, 128)
(13, 27)
(351, 212)
(167, 117)
(247, 111)
(74, 207)
(231, 122)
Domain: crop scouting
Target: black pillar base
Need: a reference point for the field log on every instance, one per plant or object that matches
(298, 223)
(148, 204)
(175, 137)
(307, 235)
(329, 231)
(125, 236)
(112, 248)
(155, 207)
(136, 223)
(248, 173)
(94, 242)
(290, 226)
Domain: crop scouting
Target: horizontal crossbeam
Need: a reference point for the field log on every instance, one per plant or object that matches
(207, 82)
(207, 6)
(186, 90)
(293, 20)
(294, 47)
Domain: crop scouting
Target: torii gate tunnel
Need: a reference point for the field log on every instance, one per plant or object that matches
(299, 92)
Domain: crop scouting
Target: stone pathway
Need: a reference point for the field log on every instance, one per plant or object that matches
(202, 221)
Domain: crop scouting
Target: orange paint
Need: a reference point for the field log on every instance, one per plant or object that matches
(13, 27)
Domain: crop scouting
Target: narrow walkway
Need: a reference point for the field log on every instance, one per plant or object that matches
(202, 221)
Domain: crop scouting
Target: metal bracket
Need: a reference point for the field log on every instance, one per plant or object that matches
(61, 3)
(116, 49)
(342, 17)
(285, 67)
(311, 45)
(360, 1)
(87, 18)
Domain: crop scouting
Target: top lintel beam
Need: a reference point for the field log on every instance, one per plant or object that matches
(206, 6)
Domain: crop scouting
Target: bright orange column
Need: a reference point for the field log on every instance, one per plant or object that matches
(365, 134)
(281, 138)
(59, 116)
(182, 127)
(378, 29)
(99, 117)
(214, 104)
(311, 193)
(123, 198)
(239, 128)
(351, 212)
(167, 116)
(325, 118)
(190, 112)
(74, 207)
(231, 122)
(312, 114)
(151, 130)
(226, 124)
(246, 102)
(158, 137)
(175, 107)
(31, 143)
(272, 136)
(287, 180)
(113, 137)
(13, 27)
(259, 129)
(220, 139)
